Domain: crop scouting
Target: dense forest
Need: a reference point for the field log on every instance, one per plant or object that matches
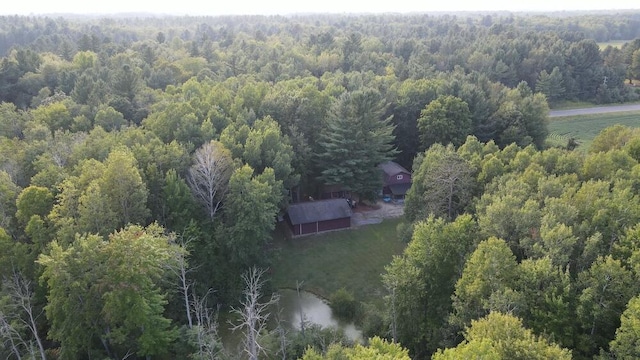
(145, 163)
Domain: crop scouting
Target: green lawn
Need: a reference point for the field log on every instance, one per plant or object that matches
(353, 259)
(585, 127)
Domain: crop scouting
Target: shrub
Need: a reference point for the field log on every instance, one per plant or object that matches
(405, 232)
(373, 322)
(344, 305)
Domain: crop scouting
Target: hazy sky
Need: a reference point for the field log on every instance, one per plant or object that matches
(268, 7)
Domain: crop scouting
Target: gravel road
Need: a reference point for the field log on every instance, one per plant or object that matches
(594, 110)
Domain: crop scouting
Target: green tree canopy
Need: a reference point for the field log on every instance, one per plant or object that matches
(376, 349)
(446, 120)
(106, 298)
(442, 184)
(486, 283)
(250, 213)
(426, 275)
(500, 336)
(626, 344)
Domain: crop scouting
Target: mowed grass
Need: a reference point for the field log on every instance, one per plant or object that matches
(586, 127)
(353, 259)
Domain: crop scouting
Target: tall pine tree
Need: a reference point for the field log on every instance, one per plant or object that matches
(358, 137)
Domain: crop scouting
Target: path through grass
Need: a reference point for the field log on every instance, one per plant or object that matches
(353, 259)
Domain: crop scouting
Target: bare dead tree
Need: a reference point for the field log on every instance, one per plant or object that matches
(209, 175)
(281, 333)
(209, 346)
(253, 313)
(11, 338)
(200, 318)
(20, 293)
(180, 268)
(298, 286)
(449, 186)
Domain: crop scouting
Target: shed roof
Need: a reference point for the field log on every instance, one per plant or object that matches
(321, 210)
(392, 168)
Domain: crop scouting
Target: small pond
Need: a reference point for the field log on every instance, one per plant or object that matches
(314, 310)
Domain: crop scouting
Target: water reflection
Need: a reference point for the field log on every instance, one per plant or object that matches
(314, 310)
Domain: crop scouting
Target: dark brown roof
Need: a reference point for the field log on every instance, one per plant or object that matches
(391, 168)
(321, 210)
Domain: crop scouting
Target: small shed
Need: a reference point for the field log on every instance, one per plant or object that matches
(396, 179)
(318, 216)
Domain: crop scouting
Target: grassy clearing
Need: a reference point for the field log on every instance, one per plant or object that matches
(585, 127)
(353, 259)
(614, 43)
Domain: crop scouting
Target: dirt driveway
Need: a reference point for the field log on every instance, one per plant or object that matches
(366, 215)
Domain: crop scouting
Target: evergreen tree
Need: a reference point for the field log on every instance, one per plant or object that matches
(551, 85)
(357, 139)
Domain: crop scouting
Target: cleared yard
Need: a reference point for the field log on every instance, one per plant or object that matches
(353, 259)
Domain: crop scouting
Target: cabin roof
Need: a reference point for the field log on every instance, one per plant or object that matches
(320, 210)
(391, 168)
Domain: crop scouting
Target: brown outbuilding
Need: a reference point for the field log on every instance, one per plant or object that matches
(318, 216)
(396, 180)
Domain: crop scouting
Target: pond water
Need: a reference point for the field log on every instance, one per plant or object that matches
(314, 310)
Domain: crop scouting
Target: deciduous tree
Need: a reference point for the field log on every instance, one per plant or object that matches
(446, 120)
(607, 287)
(422, 281)
(501, 336)
(626, 344)
(250, 214)
(486, 283)
(375, 349)
(442, 184)
(106, 297)
(125, 192)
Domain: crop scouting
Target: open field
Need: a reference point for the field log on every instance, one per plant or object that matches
(614, 43)
(353, 259)
(585, 127)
